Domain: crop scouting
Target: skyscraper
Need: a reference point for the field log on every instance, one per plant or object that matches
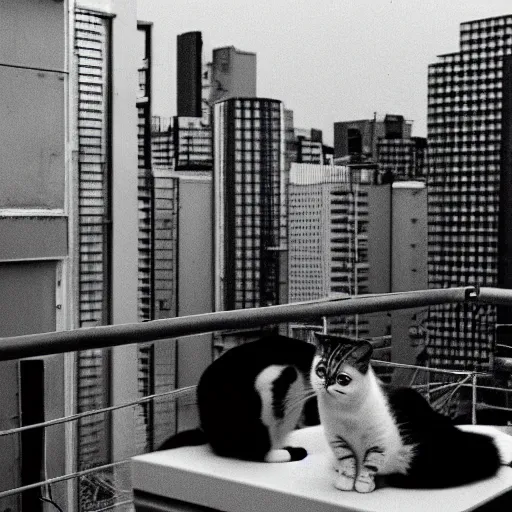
(328, 235)
(233, 74)
(189, 74)
(248, 174)
(467, 118)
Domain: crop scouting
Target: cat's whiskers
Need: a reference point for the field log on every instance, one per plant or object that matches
(298, 399)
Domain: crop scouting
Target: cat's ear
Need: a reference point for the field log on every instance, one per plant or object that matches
(323, 340)
(361, 356)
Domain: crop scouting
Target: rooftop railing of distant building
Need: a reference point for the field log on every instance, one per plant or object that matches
(19, 347)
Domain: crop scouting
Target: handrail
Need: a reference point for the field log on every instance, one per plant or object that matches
(30, 345)
(494, 296)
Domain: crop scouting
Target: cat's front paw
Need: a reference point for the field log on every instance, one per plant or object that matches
(365, 484)
(344, 482)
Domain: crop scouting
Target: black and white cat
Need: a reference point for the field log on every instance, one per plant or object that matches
(376, 432)
(251, 398)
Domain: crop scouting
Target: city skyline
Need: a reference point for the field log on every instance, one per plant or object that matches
(290, 37)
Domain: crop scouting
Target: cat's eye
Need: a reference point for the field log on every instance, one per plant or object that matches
(343, 379)
(321, 371)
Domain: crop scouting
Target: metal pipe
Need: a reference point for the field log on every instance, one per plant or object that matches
(495, 296)
(115, 335)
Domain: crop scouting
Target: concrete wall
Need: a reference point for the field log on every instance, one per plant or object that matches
(195, 284)
(233, 74)
(409, 269)
(32, 79)
(28, 306)
(33, 215)
(379, 252)
(409, 244)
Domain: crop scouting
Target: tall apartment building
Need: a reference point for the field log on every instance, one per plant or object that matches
(469, 120)
(189, 74)
(351, 235)
(328, 235)
(248, 171)
(69, 230)
(233, 74)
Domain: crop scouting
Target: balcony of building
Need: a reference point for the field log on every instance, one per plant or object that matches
(172, 480)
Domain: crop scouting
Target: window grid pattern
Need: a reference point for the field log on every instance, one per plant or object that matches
(162, 143)
(92, 34)
(143, 413)
(464, 134)
(405, 158)
(193, 144)
(328, 236)
(253, 163)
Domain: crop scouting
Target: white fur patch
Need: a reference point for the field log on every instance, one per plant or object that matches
(264, 385)
(278, 428)
(361, 416)
(278, 456)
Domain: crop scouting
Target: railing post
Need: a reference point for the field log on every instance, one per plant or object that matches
(473, 398)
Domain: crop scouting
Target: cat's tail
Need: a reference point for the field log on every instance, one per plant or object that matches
(193, 437)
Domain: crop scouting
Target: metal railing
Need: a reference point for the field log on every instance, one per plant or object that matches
(116, 335)
(30, 345)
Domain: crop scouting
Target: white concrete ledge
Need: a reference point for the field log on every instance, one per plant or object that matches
(195, 475)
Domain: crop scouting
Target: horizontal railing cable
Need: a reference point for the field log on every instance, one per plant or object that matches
(377, 362)
(63, 478)
(85, 414)
(115, 335)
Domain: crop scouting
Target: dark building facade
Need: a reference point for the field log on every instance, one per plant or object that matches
(361, 137)
(469, 120)
(248, 194)
(404, 158)
(189, 80)
(192, 141)
(387, 142)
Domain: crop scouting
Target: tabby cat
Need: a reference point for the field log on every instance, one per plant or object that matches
(251, 398)
(395, 432)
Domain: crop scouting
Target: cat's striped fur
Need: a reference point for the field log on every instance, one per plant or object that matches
(372, 431)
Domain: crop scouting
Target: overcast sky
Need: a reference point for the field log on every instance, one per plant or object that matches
(328, 60)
